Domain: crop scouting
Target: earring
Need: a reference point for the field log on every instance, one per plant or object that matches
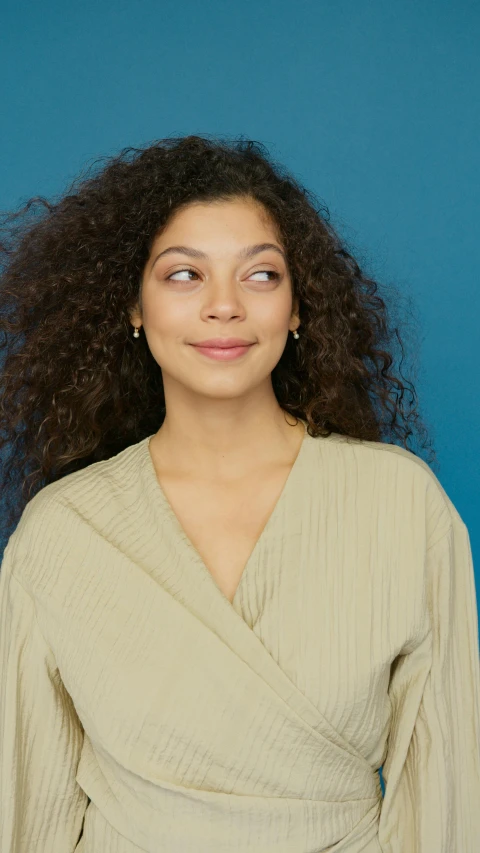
(136, 333)
(296, 335)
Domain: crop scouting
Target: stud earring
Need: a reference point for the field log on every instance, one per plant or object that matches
(296, 335)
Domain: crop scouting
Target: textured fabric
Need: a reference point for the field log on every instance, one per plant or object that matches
(141, 712)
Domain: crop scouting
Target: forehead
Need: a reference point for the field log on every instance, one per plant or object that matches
(220, 219)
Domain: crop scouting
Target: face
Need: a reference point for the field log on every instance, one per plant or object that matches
(188, 298)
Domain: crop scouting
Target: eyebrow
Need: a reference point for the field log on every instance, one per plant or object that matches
(246, 252)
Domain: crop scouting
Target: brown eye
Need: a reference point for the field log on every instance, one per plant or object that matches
(187, 269)
(269, 272)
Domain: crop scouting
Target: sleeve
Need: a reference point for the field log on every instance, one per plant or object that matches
(432, 766)
(42, 806)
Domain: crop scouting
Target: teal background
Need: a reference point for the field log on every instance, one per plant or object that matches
(374, 105)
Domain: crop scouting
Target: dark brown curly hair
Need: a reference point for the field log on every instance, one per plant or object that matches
(75, 388)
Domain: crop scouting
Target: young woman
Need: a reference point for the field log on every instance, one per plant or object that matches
(229, 597)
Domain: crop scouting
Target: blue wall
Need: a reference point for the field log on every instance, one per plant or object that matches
(373, 105)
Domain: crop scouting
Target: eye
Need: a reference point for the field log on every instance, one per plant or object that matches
(269, 272)
(187, 269)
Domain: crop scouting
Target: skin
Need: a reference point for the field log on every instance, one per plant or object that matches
(223, 422)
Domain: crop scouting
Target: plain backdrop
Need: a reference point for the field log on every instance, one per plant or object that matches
(373, 105)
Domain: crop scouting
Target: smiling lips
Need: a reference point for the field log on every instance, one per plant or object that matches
(223, 349)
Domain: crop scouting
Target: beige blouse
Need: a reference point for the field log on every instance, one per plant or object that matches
(141, 712)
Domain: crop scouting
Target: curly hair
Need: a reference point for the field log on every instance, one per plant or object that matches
(76, 389)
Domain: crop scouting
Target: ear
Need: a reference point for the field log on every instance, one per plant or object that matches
(135, 316)
(295, 309)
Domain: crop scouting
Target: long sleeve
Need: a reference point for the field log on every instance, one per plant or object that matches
(42, 807)
(432, 767)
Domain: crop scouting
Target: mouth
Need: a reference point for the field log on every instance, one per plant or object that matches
(222, 353)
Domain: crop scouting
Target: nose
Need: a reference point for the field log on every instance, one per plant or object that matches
(223, 297)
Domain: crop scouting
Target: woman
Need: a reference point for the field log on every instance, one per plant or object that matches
(229, 598)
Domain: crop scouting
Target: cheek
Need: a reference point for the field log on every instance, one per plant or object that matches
(165, 314)
(273, 319)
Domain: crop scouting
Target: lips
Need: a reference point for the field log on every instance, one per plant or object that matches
(223, 353)
(218, 346)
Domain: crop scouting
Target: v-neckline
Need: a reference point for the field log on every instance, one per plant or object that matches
(157, 493)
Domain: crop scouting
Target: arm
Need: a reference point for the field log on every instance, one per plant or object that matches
(42, 807)
(432, 768)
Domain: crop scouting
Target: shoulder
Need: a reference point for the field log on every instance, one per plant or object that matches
(396, 473)
(60, 517)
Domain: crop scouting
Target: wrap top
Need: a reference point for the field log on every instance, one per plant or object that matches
(143, 712)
